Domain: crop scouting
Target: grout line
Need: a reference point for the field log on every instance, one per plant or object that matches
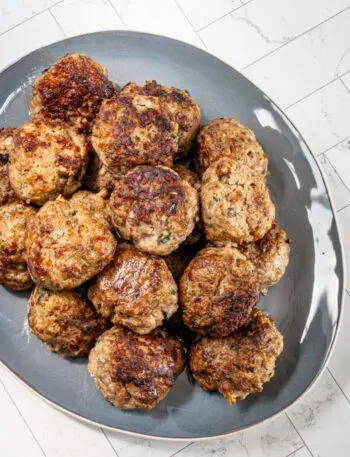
(117, 12)
(224, 15)
(109, 441)
(296, 37)
(334, 145)
(339, 211)
(346, 290)
(59, 25)
(346, 397)
(296, 450)
(26, 423)
(195, 31)
(346, 87)
(307, 447)
(180, 450)
(335, 171)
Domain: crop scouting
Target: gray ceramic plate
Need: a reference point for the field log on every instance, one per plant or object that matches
(306, 305)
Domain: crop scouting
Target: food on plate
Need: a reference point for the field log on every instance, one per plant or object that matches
(135, 371)
(236, 204)
(225, 137)
(98, 177)
(178, 105)
(136, 290)
(156, 210)
(218, 291)
(131, 130)
(66, 246)
(178, 260)
(96, 204)
(241, 363)
(64, 321)
(6, 145)
(71, 90)
(48, 159)
(15, 276)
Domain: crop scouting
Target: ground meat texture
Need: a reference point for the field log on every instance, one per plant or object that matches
(135, 371)
(66, 246)
(6, 146)
(135, 290)
(226, 137)
(72, 91)
(177, 262)
(96, 204)
(241, 363)
(48, 160)
(64, 321)
(14, 217)
(15, 276)
(132, 130)
(218, 291)
(154, 208)
(178, 105)
(236, 204)
(270, 255)
(98, 177)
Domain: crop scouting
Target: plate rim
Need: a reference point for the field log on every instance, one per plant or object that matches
(341, 257)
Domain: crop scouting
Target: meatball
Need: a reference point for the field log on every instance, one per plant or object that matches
(218, 291)
(65, 322)
(241, 363)
(132, 130)
(48, 159)
(66, 245)
(177, 261)
(135, 371)
(135, 290)
(6, 146)
(72, 91)
(15, 276)
(228, 138)
(97, 177)
(154, 208)
(270, 255)
(236, 204)
(178, 105)
(96, 204)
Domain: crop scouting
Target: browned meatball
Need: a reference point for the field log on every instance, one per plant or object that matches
(135, 371)
(64, 321)
(71, 90)
(15, 276)
(270, 255)
(225, 137)
(135, 290)
(154, 208)
(97, 177)
(241, 363)
(6, 146)
(132, 130)
(236, 204)
(48, 159)
(177, 261)
(178, 105)
(218, 291)
(96, 204)
(66, 245)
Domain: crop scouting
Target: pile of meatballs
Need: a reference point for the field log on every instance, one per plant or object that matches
(136, 261)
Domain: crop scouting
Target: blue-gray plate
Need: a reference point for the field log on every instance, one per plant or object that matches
(306, 304)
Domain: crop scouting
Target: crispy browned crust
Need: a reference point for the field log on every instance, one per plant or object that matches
(178, 105)
(135, 371)
(154, 208)
(66, 245)
(135, 290)
(218, 291)
(6, 146)
(241, 363)
(49, 159)
(188, 175)
(71, 90)
(225, 137)
(96, 204)
(98, 177)
(15, 276)
(132, 130)
(64, 321)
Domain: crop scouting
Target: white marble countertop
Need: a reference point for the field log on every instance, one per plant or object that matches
(298, 52)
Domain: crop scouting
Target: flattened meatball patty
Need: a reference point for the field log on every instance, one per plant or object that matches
(218, 291)
(96, 204)
(178, 105)
(15, 276)
(66, 246)
(48, 159)
(97, 177)
(225, 137)
(135, 290)
(135, 371)
(154, 208)
(132, 130)
(6, 146)
(64, 321)
(236, 204)
(241, 363)
(71, 90)
(270, 255)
